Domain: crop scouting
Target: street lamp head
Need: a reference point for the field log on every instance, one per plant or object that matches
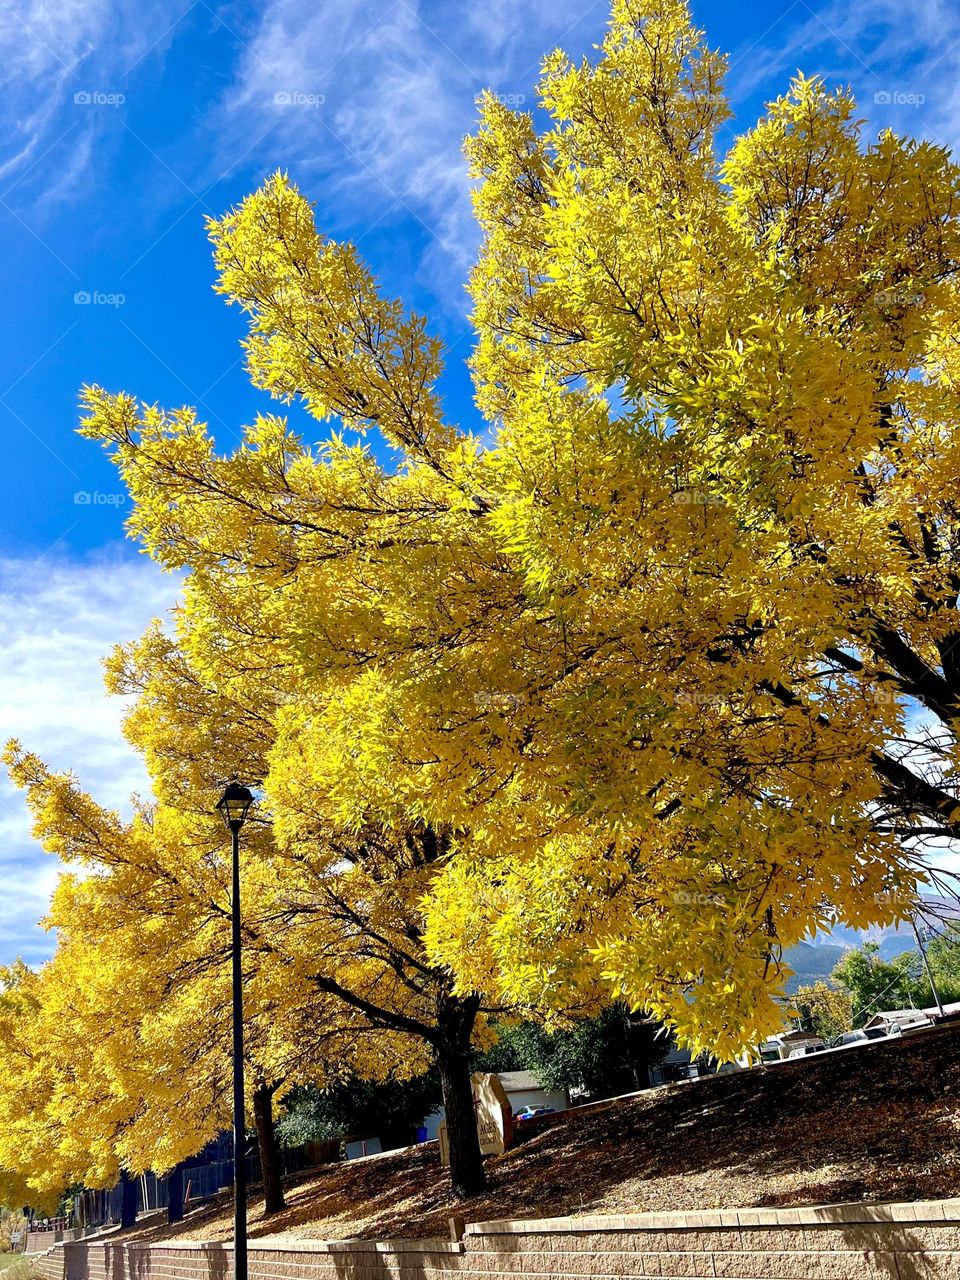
(234, 804)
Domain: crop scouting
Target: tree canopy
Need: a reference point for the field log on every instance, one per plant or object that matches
(602, 1056)
(656, 671)
(647, 657)
(824, 1008)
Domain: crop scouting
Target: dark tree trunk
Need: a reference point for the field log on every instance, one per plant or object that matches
(175, 1194)
(455, 1019)
(269, 1149)
(128, 1199)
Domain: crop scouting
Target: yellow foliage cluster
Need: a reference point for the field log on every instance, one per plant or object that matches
(116, 1054)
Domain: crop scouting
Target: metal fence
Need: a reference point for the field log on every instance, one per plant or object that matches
(200, 1181)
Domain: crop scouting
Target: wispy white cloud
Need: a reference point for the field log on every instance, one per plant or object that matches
(902, 61)
(51, 53)
(56, 624)
(376, 99)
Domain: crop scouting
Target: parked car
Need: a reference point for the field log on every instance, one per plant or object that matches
(528, 1113)
(848, 1039)
(804, 1050)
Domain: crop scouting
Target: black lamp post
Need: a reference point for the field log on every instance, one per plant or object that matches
(233, 806)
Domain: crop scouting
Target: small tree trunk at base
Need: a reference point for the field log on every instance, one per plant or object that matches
(269, 1149)
(455, 1027)
(128, 1199)
(175, 1194)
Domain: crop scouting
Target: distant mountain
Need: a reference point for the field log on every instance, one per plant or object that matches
(816, 960)
(895, 944)
(934, 912)
(891, 942)
(812, 962)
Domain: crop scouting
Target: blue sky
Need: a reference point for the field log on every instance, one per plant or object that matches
(124, 122)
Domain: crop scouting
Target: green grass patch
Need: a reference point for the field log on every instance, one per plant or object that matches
(17, 1266)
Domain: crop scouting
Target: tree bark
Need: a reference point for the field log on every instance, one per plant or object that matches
(455, 1019)
(175, 1194)
(128, 1199)
(269, 1149)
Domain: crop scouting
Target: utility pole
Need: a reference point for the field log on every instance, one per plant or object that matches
(926, 965)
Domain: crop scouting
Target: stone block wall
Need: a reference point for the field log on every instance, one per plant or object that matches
(847, 1242)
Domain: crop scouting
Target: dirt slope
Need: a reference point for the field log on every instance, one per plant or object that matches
(881, 1122)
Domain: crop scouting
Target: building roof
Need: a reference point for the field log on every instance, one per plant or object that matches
(520, 1081)
(910, 1015)
(899, 1016)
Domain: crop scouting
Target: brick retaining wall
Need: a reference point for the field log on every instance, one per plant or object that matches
(37, 1241)
(845, 1242)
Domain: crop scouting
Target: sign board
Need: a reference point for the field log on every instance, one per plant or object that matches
(494, 1117)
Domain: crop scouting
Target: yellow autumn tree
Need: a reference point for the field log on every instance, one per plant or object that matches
(646, 663)
(823, 1008)
(127, 1029)
(339, 982)
(352, 893)
(19, 1078)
